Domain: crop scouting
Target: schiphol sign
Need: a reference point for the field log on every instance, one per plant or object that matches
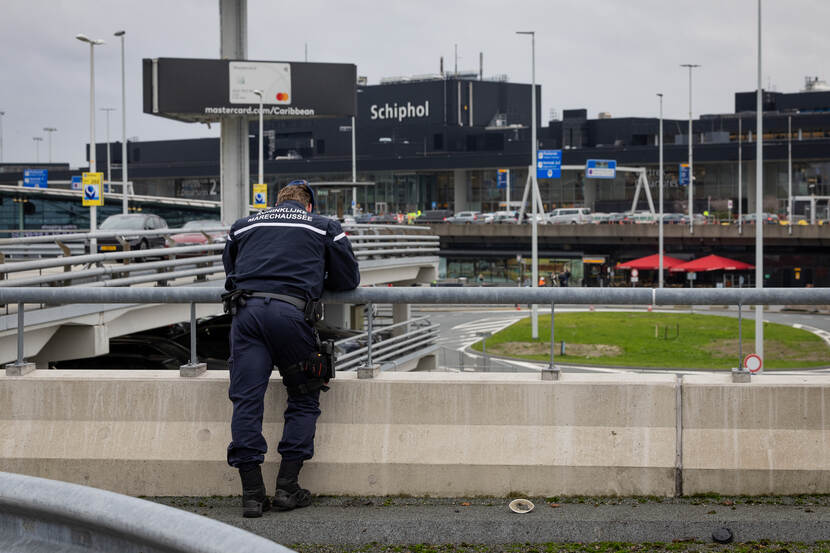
(205, 90)
(399, 112)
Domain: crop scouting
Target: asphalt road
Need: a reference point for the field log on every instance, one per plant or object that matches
(332, 520)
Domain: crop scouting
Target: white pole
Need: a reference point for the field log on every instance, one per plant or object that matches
(49, 131)
(759, 201)
(740, 178)
(691, 164)
(124, 201)
(93, 213)
(507, 192)
(354, 168)
(37, 140)
(790, 174)
(260, 176)
(109, 157)
(2, 113)
(660, 245)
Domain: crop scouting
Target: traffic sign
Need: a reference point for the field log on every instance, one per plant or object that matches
(260, 196)
(503, 178)
(92, 193)
(600, 168)
(76, 182)
(35, 178)
(729, 204)
(683, 179)
(548, 164)
(753, 363)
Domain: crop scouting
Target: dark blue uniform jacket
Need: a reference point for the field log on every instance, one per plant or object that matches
(286, 250)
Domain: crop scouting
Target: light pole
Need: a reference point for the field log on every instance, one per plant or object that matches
(740, 177)
(93, 214)
(109, 154)
(691, 166)
(759, 201)
(354, 168)
(49, 130)
(534, 244)
(124, 206)
(660, 240)
(2, 113)
(789, 174)
(37, 140)
(260, 175)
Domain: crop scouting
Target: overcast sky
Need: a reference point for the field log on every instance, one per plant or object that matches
(603, 55)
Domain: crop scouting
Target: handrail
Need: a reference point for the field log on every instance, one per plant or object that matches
(470, 295)
(111, 521)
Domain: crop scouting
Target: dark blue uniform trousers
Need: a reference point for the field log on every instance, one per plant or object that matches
(267, 332)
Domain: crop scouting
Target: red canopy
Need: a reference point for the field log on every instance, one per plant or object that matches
(651, 263)
(713, 263)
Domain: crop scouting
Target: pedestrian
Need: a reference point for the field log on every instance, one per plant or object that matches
(278, 262)
(564, 277)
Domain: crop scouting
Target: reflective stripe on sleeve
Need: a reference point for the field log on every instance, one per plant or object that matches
(339, 236)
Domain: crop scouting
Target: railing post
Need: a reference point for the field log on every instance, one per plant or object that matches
(194, 368)
(552, 372)
(484, 336)
(368, 370)
(19, 367)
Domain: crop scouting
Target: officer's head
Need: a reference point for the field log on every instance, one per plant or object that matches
(298, 191)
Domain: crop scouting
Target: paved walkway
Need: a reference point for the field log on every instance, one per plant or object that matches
(489, 521)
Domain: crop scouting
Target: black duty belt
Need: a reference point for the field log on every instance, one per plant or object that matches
(296, 302)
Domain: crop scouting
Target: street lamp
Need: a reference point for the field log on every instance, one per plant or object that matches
(109, 156)
(259, 94)
(759, 201)
(660, 240)
(534, 244)
(691, 166)
(37, 140)
(124, 207)
(50, 130)
(93, 214)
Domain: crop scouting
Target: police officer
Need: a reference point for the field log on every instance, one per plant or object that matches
(278, 262)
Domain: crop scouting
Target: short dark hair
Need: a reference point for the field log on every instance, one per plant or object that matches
(296, 193)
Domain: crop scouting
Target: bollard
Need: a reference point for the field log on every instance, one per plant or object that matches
(367, 371)
(194, 368)
(551, 372)
(19, 367)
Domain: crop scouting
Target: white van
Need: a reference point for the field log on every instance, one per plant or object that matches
(570, 215)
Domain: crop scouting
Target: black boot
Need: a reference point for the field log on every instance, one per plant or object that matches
(289, 493)
(254, 498)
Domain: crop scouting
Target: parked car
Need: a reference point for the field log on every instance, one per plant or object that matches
(768, 218)
(196, 234)
(363, 218)
(616, 218)
(466, 217)
(128, 222)
(434, 216)
(643, 218)
(570, 215)
(672, 218)
(484, 218)
(385, 219)
(505, 218)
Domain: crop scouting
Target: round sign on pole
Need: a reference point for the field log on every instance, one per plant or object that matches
(635, 273)
(752, 363)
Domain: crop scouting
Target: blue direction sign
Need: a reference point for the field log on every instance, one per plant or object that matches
(76, 182)
(600, 168)
(548, 164)
(503, 178)
(683, 179)
(35, 178)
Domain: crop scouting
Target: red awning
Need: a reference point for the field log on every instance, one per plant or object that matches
(713, 263)
(651, 263)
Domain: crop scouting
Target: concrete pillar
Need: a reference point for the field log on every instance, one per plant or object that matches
(589, 193)
(460, 188)
(401, 312)
(337, 315)
(749, 186)
(234, 163)
(356, 317)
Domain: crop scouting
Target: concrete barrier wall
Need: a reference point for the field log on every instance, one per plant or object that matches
(438, 434)
(768, 437)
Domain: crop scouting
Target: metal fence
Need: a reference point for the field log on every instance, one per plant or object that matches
(417, 336)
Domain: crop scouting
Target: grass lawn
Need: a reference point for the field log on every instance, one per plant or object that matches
(660, 340)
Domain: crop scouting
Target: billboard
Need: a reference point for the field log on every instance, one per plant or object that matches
(202, 90)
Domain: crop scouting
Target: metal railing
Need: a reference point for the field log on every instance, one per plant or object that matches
(422, 336)
(368, 242)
